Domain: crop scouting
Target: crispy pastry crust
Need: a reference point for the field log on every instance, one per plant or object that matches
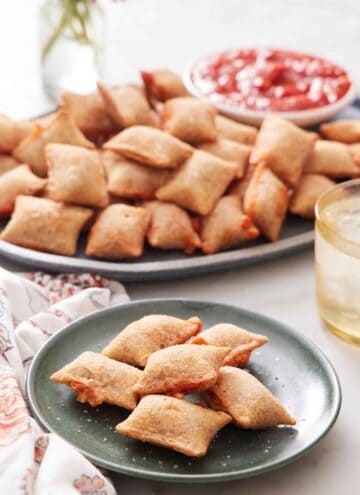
(234, 131)
(310, 188)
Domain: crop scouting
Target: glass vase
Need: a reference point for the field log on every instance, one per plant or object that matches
(72, 33)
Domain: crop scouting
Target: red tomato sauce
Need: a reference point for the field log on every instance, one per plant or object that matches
(267, 79)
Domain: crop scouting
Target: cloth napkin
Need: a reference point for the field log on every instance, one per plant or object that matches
(32, 308)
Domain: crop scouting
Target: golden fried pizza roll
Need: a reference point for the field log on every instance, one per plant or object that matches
(230, 151)
(16, 182)
(12, 132)
(238, 339)
(234, 131)
(309, 190)
(171, 227)
(332, 159)
(163, 84)
(129, 179)
(174, 423)
(127, 105)
(239, 186)
(150, 146)
(251, 405)
(344, 131)
(45, 225)
(89, 114)
(189, 119)
(266, 201)
(283, 147)
(136, 342)
(198, 183)
(181, 369)
(226, 226)
(61, 129)
(354, 152)
(76, 175)
(97, 379)
(7, 163)
(118, 233)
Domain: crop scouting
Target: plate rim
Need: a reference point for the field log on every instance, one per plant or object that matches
(186, 478)
(157, 270)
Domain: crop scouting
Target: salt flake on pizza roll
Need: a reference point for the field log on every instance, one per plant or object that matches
(189, 119)
(241, 341)
(283, 147)
(97, 379)
(46, 225)
(266, 201)
(174, 423)
(251, 405)
(136, 342)
(181, 369)
(198, 183)
(150, 146)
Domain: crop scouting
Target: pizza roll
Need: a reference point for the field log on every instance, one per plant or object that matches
(181, 369)
(61, 129)
(171, 228)
(150, 146)
(97, 379)
(309, 190)
(189, 119)
(226, 226)
(118, 233)
(45, 225)
(18, 181)
(136, 342)
(127, 105)
(239, 340)
(129, 179)
(239, 186)
(283, 147)
(90, 115)
(265, 201)
(198, 183)
(161, 85)
(7, 163)
(355, 153)
(251, 405)
(344, 131)
(76, 175)
(332, 159)
(230, 151)
(12, 132)
(174, 423)
(234, 131)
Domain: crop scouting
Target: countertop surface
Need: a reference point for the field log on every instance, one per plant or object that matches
(153, 33)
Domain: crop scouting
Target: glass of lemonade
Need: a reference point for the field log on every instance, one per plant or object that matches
(337, 259)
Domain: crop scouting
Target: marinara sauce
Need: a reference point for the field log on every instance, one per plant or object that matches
(269, 79)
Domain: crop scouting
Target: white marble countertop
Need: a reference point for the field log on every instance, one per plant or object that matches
(148, 33)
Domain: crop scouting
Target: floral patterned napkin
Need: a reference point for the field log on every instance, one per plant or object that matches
(32, 308)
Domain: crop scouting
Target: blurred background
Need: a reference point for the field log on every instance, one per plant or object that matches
(172, 33)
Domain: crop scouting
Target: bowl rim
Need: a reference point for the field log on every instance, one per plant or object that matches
(325, 110)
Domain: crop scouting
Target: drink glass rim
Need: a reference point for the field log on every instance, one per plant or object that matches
(342, 185)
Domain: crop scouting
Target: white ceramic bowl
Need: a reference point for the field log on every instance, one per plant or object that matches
(302, 118)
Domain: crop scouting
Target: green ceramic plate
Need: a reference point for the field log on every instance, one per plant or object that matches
(289, 365)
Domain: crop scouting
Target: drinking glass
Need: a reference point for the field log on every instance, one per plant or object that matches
(337, 259)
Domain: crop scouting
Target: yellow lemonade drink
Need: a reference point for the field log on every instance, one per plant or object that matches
(337, 259)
